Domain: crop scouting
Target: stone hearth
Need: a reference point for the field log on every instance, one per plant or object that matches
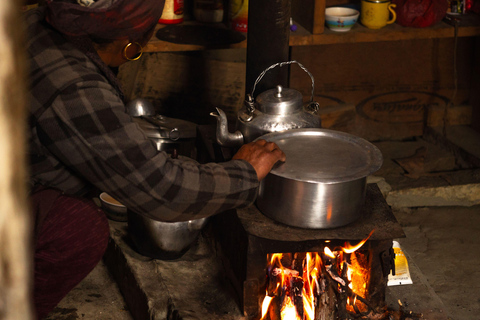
(196, 286)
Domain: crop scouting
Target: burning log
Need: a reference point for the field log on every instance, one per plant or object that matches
(285, 286)
(288, 272)
(298, 259)
(296, 294)
(332, 271)
(323, 286)
(326, 302)
(274, 310)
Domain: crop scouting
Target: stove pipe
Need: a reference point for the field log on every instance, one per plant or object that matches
(267, 43)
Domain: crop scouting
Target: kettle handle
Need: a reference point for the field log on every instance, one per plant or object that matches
(281, 64)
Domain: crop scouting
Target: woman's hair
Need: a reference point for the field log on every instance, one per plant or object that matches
(104, 20)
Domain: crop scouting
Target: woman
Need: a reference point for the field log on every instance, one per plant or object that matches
(81, 137)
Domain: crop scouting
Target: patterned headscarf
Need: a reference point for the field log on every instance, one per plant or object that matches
(104, 19)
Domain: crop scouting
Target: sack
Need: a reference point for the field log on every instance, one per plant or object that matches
(420, 13)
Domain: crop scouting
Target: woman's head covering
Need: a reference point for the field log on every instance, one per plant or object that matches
(104, 19)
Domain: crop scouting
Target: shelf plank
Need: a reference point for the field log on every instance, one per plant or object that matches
(164, 46)
(469, 27)
(393, 32)
(157, 45)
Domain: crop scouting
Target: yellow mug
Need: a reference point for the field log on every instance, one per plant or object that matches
(375, 14)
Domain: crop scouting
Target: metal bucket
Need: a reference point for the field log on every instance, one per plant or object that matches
(163, 240)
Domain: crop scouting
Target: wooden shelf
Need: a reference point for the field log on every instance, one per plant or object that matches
(156, 45)
(394, 32)
(469, 26)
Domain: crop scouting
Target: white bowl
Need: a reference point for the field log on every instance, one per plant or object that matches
(340, 18)
(114, 209)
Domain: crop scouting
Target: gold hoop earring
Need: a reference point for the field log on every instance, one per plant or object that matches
(139, 54)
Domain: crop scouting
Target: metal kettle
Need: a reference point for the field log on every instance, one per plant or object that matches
(274, 110)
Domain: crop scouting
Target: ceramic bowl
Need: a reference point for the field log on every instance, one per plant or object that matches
(113, 209)
(341, 19)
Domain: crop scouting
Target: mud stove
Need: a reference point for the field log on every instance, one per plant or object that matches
(294, 273)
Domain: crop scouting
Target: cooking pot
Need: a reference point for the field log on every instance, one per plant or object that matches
(274, 110)
(139, 107)
(163, 240)
(322, 183)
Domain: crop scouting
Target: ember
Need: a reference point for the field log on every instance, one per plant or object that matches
(308, 286)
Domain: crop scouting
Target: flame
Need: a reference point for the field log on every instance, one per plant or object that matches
(310, 279)
(265, 305)
(311, 268)
(288, 280)
(276, 259)
(359, 276)
(289, 312)
(349, 248)
(329, 252)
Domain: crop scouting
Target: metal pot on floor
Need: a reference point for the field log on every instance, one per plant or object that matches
(163, 240)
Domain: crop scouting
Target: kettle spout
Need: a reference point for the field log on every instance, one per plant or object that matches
(224, 137)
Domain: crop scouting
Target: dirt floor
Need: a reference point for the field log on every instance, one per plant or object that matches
(444, 243)
(96, 297)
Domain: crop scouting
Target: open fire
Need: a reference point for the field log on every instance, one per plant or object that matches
(293, 267)
(319, 285)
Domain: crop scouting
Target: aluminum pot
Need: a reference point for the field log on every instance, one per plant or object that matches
(170, 133)
(163, 240)
(140, 107)
(322, 183)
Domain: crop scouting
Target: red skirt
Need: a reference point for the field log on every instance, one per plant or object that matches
(71, 235)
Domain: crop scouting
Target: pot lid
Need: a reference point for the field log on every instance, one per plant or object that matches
(161, 127)
(279, 101)
(325, 156)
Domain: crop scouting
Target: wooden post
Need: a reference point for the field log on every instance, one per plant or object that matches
(15, 251)
(267, 43)
(475, 87)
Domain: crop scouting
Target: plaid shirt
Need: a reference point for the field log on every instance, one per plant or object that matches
(80, 135)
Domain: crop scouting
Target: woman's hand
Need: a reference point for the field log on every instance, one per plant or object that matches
(262, 155)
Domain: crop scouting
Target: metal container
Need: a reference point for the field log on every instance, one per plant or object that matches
(322, 183)
(152, 238)
(163, 240)
(170, 133)
(140, 107)
(274, 110)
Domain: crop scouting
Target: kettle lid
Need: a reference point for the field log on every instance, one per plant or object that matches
(280, 101)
